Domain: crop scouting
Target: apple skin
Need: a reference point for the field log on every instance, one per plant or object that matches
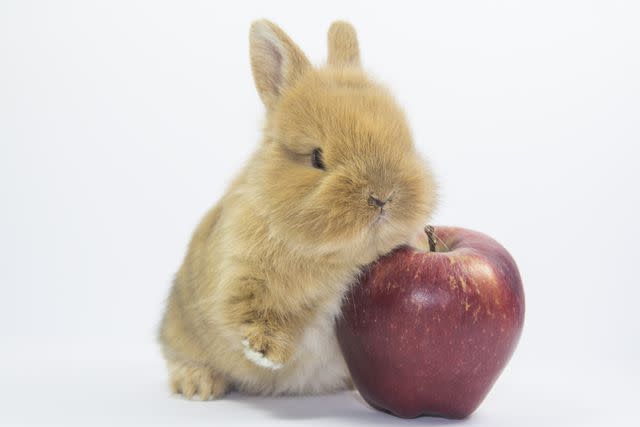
(428, 333)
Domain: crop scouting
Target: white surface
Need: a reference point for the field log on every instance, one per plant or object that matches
(121, 122)
(107, 392)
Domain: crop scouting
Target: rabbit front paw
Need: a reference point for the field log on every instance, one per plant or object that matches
(196, 382)
(268, 350)
(258, 357)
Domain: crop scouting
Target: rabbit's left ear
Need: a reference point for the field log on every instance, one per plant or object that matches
(276, 61)
(343, 45)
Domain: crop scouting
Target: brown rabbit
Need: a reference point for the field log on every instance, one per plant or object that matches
(335, 183)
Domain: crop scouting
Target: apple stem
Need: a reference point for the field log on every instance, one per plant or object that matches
(431, 237)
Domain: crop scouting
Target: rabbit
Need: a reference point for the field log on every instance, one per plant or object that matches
(335, 183)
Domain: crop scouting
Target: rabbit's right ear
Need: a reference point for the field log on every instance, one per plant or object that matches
(276, 61)
(343, 45)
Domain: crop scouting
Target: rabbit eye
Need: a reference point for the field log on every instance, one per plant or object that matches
(316, 159)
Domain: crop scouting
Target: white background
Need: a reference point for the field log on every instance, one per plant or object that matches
(121, 122)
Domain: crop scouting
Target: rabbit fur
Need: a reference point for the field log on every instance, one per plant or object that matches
(335, 183)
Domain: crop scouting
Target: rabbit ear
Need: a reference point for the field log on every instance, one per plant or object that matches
(343, 45)
(276, 61)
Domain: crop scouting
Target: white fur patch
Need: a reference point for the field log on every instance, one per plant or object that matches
(318, 365)
(258, 358)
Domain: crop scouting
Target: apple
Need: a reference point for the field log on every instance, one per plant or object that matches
(428, 333)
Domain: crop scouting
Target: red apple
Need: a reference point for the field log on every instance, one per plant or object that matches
(428, 333)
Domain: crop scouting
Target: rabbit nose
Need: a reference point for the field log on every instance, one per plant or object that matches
(373, 201)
